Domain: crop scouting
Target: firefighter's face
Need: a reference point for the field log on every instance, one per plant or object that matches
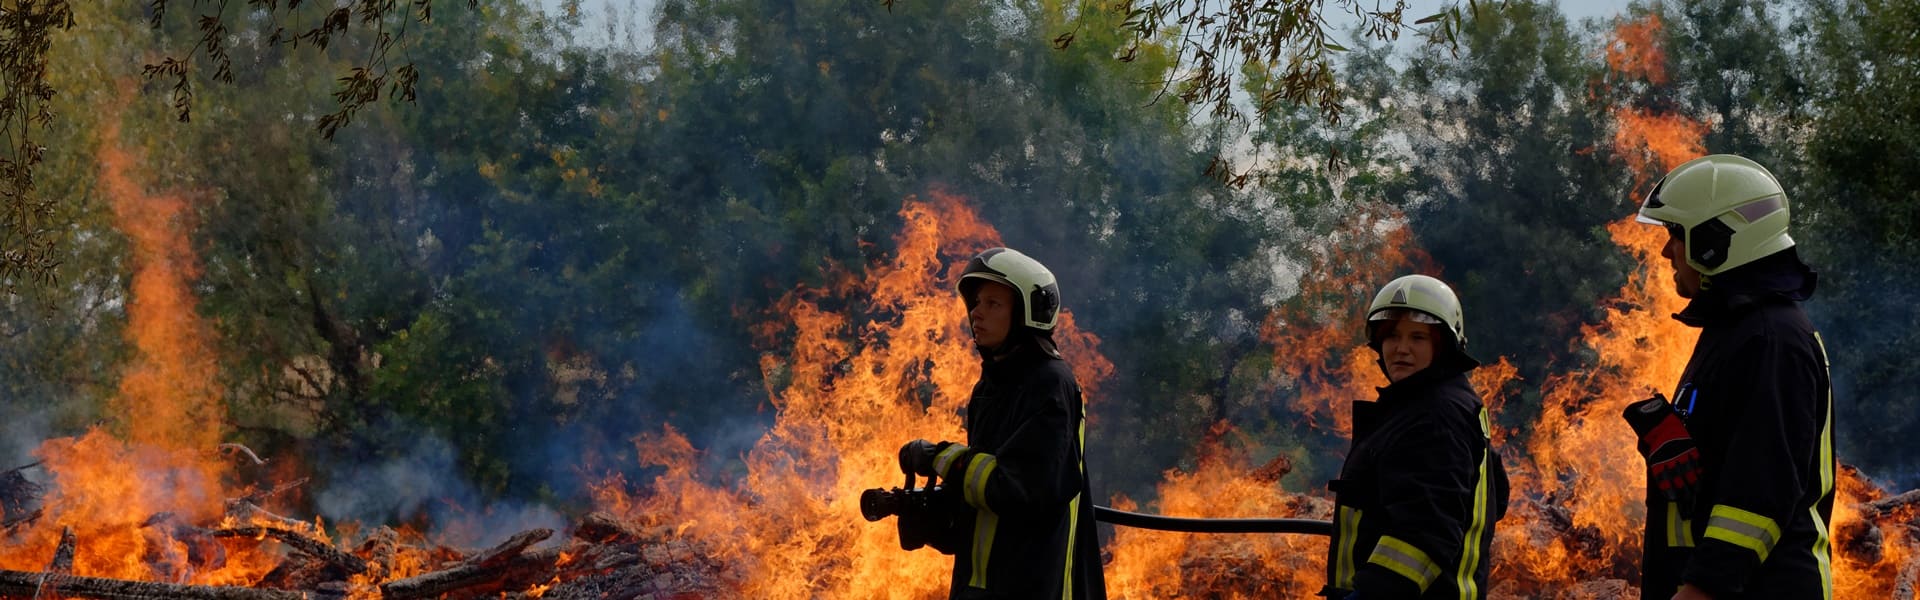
(1686, 280)
(992, 315)
(1406, 348)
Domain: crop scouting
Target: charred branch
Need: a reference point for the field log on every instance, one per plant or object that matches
(1887, 506)
(19, 496)
(601, 527)
(1908, 582)
(62, 562)
(23, 584)
(380, 549)
(472, 576)
(244, 511)
(237, 449)
(202, 551)
(514, 546)
(299, 541)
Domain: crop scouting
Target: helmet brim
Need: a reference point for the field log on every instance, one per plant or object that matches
(1396, 314)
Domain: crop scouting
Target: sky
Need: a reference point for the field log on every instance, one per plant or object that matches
(639, 12)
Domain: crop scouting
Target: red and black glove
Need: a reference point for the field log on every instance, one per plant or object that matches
(1673, 464)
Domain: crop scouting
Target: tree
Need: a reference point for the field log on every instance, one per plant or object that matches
(1294, 35)
(1513, 181)
(1216, 40)
(1856, 204)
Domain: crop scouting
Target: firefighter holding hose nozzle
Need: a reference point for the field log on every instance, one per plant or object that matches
(1740, 460)
(1421, 488)
(1012, 506)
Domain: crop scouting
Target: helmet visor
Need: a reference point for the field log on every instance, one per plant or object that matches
(1397, 314)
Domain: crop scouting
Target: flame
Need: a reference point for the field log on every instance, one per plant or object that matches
(133, 498)
(863, 366)
(1635, 52)
(1580, 470)
(1370, 248)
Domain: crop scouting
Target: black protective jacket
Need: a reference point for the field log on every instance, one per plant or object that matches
(1419, 494)
(1027, 528)
(1757, 401)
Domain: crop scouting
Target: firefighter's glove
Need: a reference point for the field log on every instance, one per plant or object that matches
(917, 457)
(1673, 464)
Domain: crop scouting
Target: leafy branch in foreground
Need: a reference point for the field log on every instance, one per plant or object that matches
(1216, 38)
(26, 33)
(364, 81)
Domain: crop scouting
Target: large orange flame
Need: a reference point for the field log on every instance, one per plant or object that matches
(861, 368)
(124, 494)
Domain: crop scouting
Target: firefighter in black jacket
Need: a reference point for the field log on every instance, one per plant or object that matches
(1421, 489)
(1026, 527)
(1740, 462)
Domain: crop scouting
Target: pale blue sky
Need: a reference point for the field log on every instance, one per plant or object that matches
(638, 12)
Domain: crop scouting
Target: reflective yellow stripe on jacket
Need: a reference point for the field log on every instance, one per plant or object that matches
(1073, 520)
(1822, 547)
(1347, 520)
(984, 520)
(1679, 531)
(1470, 543)
(1743, 528)
(1401, 557)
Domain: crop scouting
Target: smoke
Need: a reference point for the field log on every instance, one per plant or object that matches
(20, 435)
(422, 486)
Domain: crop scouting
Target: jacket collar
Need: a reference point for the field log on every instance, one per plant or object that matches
(1774, 279)
(1014, 360)
(1438, 374)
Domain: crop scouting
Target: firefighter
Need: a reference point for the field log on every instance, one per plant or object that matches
(1740, 461)
(1025, 528)
(1417, 499)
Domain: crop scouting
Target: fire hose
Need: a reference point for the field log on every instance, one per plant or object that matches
(1199, 525)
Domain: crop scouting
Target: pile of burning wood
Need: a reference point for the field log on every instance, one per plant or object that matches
(606, 557)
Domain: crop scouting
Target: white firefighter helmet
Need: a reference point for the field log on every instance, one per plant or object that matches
(1419, 298)
(1034, 286)
(1730, 211)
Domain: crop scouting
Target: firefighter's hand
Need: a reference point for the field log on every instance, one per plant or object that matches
(1688, 592)
(916, 458)
(1673, 463)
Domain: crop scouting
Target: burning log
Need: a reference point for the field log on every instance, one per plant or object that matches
(19, 497)
(62, 553)
(1908, 582)
(299, 541)
(243, 511)
(259, 496)
(514, 546)
(202, 550)
(26, 584)
(600, 527)
(380, 550)
(490, 568)
(1886, 506)
(1860, 541)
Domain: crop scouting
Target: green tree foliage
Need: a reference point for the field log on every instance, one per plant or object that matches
(1217, 39)
(1857, 200)
(1512, 180)
(560, 244)
(29, 220)
(1729, 65)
